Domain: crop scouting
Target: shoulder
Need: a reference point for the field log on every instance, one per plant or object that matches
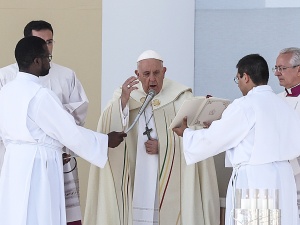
(175, 87)
(45, 93)
(282, 94)
(58, 70)
(9, 72)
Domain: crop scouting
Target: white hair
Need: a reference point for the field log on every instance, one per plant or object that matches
(295, 59)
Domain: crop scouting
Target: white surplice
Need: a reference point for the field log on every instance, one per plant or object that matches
(256, 133)
(34, 127)
(295, 103)
(64, 83)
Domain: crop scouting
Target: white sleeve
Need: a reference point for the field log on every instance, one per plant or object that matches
(60, 125)
(78, 102)
(222, 135)
(124, 114)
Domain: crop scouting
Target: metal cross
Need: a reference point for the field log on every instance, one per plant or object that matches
(147, 132)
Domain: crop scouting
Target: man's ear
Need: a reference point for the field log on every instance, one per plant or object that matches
(164, 71)
(37, 61)
(298, 71)
(136, 73)
(246, 77)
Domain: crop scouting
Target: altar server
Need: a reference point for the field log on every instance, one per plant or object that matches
(259, 133)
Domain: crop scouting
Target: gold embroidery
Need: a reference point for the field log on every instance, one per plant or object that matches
(142, 99)
(155, 102)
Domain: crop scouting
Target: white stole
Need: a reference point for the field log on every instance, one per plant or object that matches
(145, 193)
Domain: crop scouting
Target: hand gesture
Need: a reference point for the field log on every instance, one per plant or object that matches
(127, 88)
(151, 146)
(179, 130)
(115, 138)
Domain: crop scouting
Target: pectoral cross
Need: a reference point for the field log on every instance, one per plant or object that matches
(147, 132)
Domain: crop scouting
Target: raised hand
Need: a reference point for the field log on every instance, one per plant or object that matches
(115, 138)
(127, 88)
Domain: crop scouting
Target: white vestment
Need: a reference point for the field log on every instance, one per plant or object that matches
(295, 103)
(63, 82)
(145, 206)
(34, 127)
(187, 195)
(255, 131)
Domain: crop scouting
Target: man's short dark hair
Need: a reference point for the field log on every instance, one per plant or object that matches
(27, 49)
(256, 67)
(36, 25)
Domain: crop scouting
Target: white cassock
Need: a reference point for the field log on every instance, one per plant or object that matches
(145, 206)
(255, 131)
(63, 82)
(295, 103)
(34, 127)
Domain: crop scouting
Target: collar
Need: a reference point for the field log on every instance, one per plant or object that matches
(27, 76)
(170, 91)
(260, 88)
(293, 92)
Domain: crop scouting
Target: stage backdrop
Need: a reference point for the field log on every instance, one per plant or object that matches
(130, 27)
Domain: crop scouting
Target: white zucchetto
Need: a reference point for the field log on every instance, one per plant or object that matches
(149, 54)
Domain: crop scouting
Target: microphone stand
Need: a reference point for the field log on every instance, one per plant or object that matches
(148, 99)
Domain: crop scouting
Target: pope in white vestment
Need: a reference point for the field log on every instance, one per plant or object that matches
(140, 186)
(255, 131)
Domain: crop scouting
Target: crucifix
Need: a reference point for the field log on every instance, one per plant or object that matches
(147, 132)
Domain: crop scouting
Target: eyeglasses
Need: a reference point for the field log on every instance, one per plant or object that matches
(50, 42)
(49, 57)
(236, 80)
(281, 69)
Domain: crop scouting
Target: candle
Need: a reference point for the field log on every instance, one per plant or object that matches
(271, 203)
(245, 203)
(262, 203)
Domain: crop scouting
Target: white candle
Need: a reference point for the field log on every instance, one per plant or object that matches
(245, 203)
(262, 203)
(253, 203)
(271, 203)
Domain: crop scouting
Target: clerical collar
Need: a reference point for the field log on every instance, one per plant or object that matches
(293, 92)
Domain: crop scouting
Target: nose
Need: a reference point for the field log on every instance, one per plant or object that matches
(277, 73)
(152, 77)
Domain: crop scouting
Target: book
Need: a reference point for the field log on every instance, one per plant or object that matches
(200, 110)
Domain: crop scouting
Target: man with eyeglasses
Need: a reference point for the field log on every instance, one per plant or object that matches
(255, 133)
(64, 83)
(287, 70)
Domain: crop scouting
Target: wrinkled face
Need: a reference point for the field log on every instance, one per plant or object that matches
(151, 74)
(47, 36)
(289, 76)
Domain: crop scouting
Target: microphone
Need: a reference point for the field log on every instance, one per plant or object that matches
(148, 99)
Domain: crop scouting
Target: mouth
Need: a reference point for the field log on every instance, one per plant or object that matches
(152, 86)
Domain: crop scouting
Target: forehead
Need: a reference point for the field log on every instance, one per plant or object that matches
(44, 34)
(149, 64)
(284, 58)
